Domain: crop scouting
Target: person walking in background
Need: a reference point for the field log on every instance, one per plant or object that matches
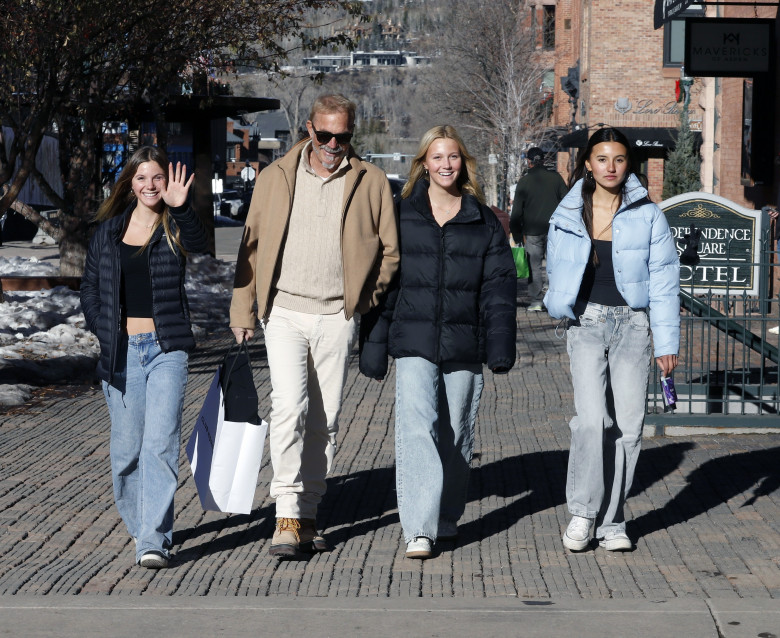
(320, 246)
(535, 198)
(611, 261)
(132, 295)
(451, 309)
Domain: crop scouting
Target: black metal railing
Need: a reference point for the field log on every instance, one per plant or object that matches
(728, 370)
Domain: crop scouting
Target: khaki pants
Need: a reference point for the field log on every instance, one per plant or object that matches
(308, 357)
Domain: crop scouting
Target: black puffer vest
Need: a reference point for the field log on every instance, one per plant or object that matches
(100, 285)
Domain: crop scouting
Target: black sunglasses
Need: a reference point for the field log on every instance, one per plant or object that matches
(323, 137)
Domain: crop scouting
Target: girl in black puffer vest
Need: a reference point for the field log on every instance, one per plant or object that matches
(451, 308)
(132, 295)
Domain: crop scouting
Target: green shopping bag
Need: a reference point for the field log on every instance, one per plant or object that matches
(521, 261)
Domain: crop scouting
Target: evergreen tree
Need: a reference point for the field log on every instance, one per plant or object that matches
(682, 170)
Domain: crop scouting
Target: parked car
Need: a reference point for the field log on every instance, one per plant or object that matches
(235, 204)
(397, 185)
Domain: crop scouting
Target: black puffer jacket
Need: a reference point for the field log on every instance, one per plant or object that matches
(454, 297)
(102, 276)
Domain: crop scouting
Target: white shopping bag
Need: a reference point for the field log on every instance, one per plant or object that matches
(225, 456)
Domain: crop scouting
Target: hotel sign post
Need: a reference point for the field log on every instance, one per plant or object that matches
(729, 244)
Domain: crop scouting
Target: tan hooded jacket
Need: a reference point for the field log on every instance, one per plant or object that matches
(369, 237)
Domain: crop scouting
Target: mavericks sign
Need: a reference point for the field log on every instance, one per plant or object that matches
(729, 47)
(726, 238)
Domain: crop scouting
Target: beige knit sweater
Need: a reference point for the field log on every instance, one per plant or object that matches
(309, 275)
(369, 237)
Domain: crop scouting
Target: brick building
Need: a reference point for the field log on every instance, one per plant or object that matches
(729, 172)
(614, 68)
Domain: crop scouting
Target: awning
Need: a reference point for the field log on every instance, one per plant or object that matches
(666, 10)
(638, 137)
(182, 108)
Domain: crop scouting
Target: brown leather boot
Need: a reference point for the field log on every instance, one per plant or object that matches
(310, 539)
(286, 541)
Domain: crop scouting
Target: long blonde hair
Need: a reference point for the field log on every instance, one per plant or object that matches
(122, 195)
(467, 179)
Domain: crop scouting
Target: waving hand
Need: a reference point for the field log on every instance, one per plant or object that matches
(178, 185)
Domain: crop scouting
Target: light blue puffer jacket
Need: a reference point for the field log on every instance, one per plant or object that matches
(644, 256)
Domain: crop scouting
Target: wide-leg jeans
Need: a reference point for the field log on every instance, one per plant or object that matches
(609, 352)
(145, 438)
(435, 411)
(308, 357)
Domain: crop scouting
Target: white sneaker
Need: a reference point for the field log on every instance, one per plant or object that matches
(420, 547)
(577, 534)
(616, 541)
(154, 559)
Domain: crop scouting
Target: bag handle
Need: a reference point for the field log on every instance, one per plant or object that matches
(242, 347)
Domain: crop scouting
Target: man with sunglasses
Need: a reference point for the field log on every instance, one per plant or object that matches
(320, 246)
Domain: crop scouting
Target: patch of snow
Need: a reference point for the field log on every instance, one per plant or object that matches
(43, 336)
(27, 267)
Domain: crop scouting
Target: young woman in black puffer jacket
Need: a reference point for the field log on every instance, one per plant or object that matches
(452, 308)
(132, 295)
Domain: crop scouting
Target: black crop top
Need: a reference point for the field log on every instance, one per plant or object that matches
(598, 282)
(136, 289)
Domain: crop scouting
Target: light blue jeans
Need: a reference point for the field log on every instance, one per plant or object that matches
(145, 438)
(609, 353)
(435, 410)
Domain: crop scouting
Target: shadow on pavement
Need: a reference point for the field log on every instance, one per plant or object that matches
(714, 483)
(365, 502)
(260, 528)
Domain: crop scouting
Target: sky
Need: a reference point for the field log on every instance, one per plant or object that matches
(43, 336)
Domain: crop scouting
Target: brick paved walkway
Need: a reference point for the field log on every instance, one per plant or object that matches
(705, 510)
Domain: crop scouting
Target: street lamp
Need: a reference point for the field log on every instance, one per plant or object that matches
(570, 83)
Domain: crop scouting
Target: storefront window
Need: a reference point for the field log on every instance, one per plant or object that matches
(674, 36)
(548, 28)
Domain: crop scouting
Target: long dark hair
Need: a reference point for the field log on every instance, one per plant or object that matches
(607, 134)
(122, 195)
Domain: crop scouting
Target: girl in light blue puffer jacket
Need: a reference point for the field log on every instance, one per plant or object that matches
(614, 274)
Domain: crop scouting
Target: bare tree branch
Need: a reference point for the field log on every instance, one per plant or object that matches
(66, 67)
(490, 73)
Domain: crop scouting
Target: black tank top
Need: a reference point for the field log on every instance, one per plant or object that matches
(598, 282)
(136, 289)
